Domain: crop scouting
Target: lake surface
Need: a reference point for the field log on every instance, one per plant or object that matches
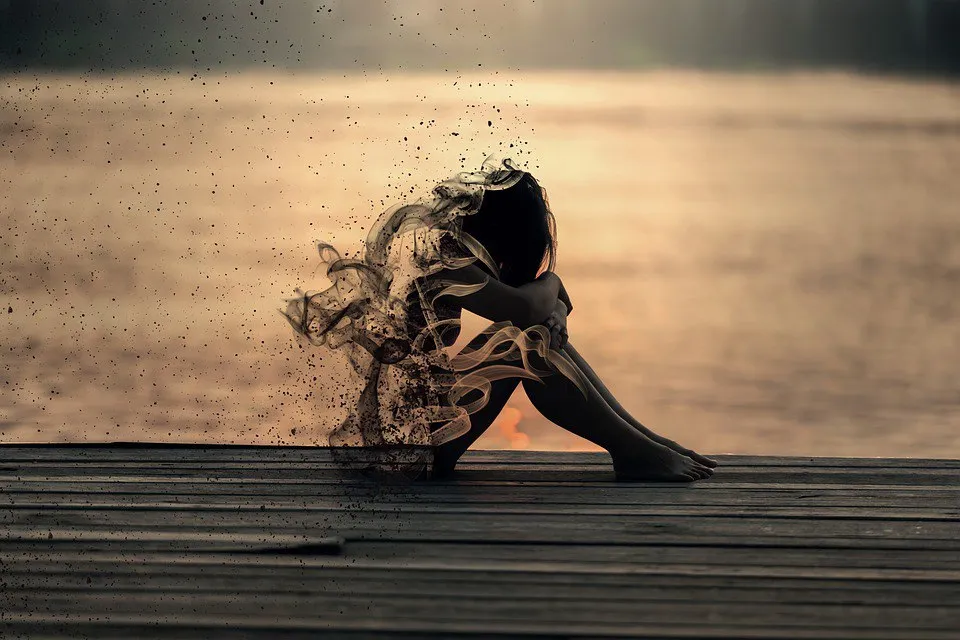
(760, 264)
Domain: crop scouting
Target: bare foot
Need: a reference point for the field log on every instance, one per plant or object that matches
(690, 453)
(659, 463)
(444, 463)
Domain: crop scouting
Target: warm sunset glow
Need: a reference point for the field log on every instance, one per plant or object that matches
(508, 422)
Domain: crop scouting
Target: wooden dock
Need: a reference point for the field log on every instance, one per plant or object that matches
(143, 541)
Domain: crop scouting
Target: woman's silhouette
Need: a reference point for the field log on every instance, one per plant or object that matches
(484, 242)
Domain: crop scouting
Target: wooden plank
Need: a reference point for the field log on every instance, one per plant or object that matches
(540, 473)
(504, 475)
(150, 464)
(728, 554)
(139, 452)
(66, 538)
(829, 504)
(37, 551)
(583, 569)
(168, 540)
(863, 513)
(254, 579)
(500, 527)
(331, 584)
(185, 451)
(366, 487)
(192, 625)
(435, 493)
(471, 464)
(220, 541)
(553, 615)
(592, 570)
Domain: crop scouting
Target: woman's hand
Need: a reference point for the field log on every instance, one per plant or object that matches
(556, 324)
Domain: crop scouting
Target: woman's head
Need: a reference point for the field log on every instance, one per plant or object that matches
(517, 228)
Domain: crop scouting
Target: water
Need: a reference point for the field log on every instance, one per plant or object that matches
(759, 264)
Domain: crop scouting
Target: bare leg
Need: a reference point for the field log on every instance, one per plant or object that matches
(635, 456)
(623, 413)
(445, 456)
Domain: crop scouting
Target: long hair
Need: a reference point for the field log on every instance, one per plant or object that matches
(517, 228)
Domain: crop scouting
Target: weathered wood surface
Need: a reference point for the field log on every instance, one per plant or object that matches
(182, 542)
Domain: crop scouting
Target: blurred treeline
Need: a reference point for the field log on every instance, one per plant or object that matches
(106, 35)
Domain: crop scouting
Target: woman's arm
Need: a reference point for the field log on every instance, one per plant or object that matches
(524, 306)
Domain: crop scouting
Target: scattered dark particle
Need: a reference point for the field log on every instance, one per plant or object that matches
(9, 309)
(454, 133)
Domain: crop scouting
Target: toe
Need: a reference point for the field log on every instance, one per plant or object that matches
(692, 470)
(705, 461)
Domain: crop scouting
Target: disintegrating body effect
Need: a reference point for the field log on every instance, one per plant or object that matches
(386, 311)
(482, 241)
